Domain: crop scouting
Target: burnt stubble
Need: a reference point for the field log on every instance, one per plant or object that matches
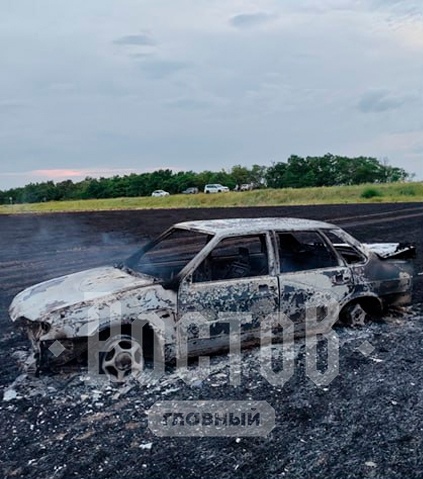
(367, 423)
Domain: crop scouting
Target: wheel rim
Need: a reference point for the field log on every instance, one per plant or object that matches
(355, 315)
(123, 358)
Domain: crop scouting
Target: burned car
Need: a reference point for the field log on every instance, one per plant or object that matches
(250, 268)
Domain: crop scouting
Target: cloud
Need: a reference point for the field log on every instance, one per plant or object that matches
(158, 69)
(409, 8)
(377, 101)
(62, 86)
(60, 174)
(57, 174)
(8, 105)
(402, 19)
(393, 12)
(63, 173)
(142, 39)
(404, 148)
(189, 104)
(407, 141)
(205, 82)
(251, 20)
(11, 180)
(140, 55)
(328, 6)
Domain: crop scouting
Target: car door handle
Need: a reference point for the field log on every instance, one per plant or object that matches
(263, 288)
(340, 279)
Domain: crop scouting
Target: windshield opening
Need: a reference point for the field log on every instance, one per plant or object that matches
(165, 258)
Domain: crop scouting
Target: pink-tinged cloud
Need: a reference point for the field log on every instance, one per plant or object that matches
(60, 174)
(10, 180)
(57, 174)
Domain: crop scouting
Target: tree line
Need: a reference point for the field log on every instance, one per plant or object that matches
(296, 172)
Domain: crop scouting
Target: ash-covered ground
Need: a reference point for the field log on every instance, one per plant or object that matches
(368, 422)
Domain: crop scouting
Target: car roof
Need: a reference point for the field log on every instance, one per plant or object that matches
(252, 225)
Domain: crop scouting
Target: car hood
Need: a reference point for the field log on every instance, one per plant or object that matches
(41, 299)
(392, 250)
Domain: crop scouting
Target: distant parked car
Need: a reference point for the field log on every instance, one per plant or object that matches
(246, 187)
(215, 188)
(158, 193)
(190, 191)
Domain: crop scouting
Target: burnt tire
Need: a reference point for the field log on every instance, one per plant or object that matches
(353, 315)
(122, 358)
(359, 313)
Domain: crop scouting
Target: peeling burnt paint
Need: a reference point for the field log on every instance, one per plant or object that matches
(79, 305)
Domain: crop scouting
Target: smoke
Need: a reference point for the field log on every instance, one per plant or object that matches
(36, 248)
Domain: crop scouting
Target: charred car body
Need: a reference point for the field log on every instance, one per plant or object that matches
(247, 268)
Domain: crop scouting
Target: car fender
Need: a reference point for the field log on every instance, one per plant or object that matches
(89, 318)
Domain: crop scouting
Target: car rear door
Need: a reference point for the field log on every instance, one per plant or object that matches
(313, 280)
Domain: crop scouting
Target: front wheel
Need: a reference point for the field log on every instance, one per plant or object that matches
(122, 357)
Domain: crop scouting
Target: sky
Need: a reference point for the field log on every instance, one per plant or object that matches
(107, 87)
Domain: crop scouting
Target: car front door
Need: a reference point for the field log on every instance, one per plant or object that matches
(233, 289)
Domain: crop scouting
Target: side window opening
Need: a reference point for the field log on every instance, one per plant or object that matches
(235, 257)
(349, 253)
(304, 250)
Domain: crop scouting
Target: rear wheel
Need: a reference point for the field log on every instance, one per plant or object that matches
(360, 312)
(353, 315)
(122, 358)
